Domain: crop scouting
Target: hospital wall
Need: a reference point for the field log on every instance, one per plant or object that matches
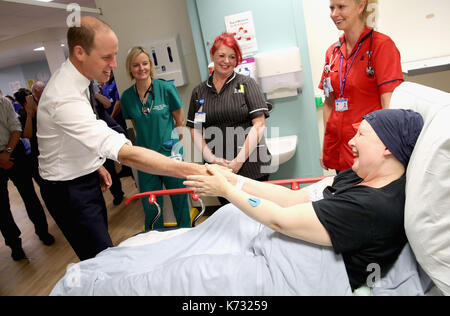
(278, 24)
(136, 21)
(309, 27)
(438, 80)
(9, 76)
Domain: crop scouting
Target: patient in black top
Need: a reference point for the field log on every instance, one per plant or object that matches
(365, 224)
(362, 210)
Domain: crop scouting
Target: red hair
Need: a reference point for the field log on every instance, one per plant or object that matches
(227, 39)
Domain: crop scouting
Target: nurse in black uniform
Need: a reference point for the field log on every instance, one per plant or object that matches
(227, 115)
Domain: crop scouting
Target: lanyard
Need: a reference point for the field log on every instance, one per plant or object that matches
(343, 82)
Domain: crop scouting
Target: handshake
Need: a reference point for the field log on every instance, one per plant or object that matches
(219, 181)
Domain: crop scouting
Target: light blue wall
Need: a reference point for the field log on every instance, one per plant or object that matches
(278, 24)
(35, 70)
(11, 74)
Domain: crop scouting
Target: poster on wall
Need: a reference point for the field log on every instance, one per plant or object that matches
(243, 28)
(30, 83)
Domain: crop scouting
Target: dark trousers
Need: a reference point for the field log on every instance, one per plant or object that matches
(116, 186)
(20, 175)
(79, 210)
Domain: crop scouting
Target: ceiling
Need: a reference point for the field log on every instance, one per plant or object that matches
(24, 27)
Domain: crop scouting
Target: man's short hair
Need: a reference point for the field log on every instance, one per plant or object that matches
(38, 85)
(84, 35)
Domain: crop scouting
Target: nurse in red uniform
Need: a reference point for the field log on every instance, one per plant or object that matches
(361, 71)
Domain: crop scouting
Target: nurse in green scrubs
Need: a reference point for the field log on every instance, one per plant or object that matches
(155, 109)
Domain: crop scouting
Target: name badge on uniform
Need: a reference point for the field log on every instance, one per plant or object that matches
(200, 117)
(341, 105)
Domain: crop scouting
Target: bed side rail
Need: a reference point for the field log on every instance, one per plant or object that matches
(151, 196)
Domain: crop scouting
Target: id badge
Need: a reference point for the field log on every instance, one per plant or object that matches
(341, 105)
(327, 87)
(200, 117)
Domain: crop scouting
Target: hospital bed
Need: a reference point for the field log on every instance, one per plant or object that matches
(126, 269)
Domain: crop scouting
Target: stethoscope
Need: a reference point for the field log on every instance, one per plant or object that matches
(370, 71)
(145, 110)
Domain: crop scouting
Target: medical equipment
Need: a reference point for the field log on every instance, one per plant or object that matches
(145, 110)
(152, 200)
(370, 71)
(168, 58)
(295, 185)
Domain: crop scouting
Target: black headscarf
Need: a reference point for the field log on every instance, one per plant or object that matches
(398, 130)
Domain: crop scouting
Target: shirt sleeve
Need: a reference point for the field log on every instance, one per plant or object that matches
(255, 100)
(347, 221)
(388, 67)
(125, 104)
(83, 126)
(9, 116)
(172, 97)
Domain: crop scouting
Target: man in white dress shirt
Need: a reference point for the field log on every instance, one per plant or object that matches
(73, 144)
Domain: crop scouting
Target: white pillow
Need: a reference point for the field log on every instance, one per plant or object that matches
(427, 209)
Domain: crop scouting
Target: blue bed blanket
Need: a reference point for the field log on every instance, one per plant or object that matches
(228, 254)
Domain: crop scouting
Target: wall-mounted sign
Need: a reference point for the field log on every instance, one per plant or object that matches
(243, 28)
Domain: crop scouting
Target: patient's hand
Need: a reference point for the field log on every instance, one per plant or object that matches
(216, 184)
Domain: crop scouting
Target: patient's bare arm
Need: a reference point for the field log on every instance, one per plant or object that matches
(281, 195)
(298, 221)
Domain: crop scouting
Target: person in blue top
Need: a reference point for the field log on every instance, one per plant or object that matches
(155, 109)
(110, 91)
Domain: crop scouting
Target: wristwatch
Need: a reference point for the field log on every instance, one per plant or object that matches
(9, 150)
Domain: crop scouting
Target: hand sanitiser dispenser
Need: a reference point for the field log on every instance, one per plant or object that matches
(280, 72)
(167, 56)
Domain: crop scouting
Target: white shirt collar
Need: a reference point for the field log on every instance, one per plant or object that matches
(79, 80)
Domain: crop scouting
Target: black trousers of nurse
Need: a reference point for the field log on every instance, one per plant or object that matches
(79, 210)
